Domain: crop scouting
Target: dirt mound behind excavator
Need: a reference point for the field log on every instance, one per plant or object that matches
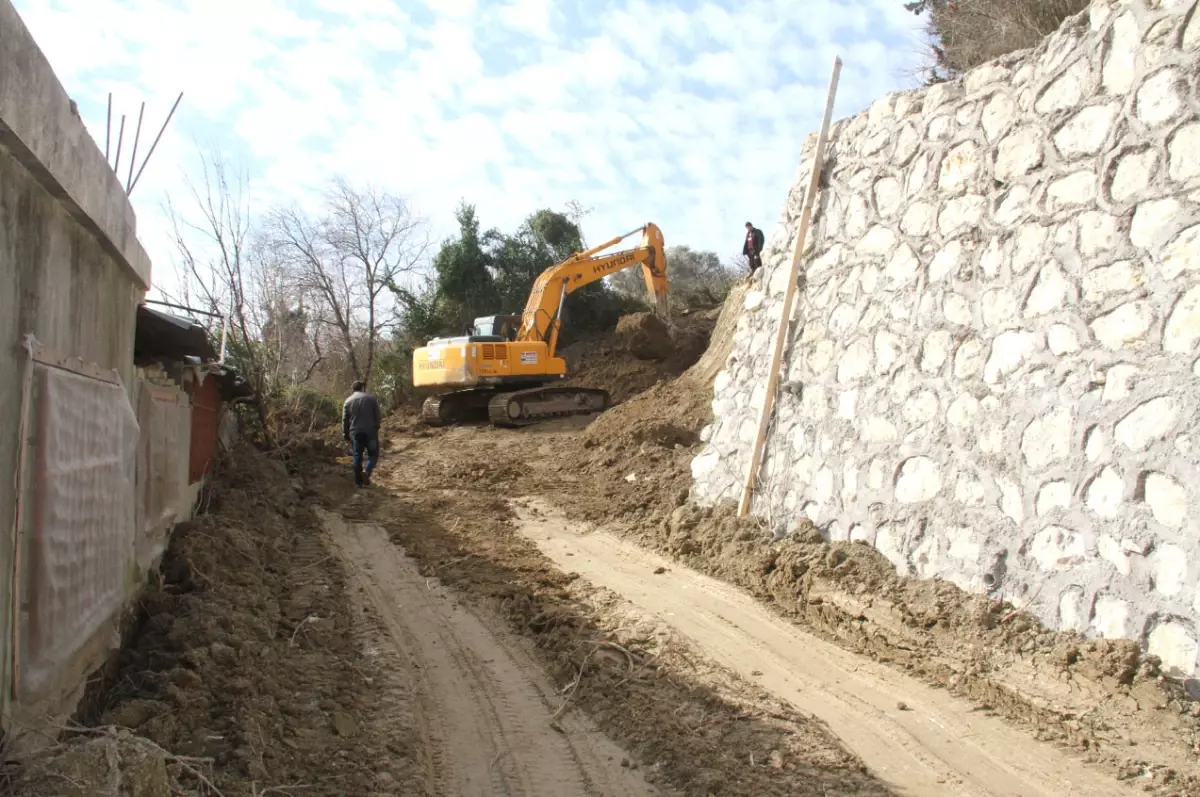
(645, 336)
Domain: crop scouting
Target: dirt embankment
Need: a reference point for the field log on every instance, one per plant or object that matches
(1101, 697)
(246, 665)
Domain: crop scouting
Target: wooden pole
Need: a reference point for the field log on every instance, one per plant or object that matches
(789, 297)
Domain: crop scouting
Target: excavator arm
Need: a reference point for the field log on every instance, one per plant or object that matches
(541, 319)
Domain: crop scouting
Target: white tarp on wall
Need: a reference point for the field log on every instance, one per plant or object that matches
(80, 532)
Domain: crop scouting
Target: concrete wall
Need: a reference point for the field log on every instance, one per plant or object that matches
(993, 376)
(71, 269)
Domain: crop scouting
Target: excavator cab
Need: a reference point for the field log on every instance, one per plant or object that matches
(495, 328)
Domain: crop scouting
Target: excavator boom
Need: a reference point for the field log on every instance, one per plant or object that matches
(501, 373)
(543, 310)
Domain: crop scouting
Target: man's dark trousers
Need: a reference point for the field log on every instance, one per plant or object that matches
(364, 442)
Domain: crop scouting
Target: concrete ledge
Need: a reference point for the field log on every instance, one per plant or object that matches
(39, 128)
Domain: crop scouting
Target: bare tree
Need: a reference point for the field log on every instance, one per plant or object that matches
(363, 242)
(217, 259)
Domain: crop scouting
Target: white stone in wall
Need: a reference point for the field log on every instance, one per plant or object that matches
(1096, 445)
(820, 356)
(873, 145)
(969, 359)
(918, 219)
(946, 261)
(1183, 253)
(918, 173)
(1184, 153)
(960, 212)
(998, 114)
(940, 128)
(869, 279)
(957, 309)
(1058, 548)
(1153, 220)
(935, 350)
(1106, 493)
(998, 308)
(1120, 64)
(887, 351)
(1169, 563)
(920, 408)
(960, 167)
(1122, 277)
(1010, 499)
(902, 268)
(1118, 382)
(1111, 551)
(1067, 90)
(1047, 439)
(1133, 175)
(1159, 99)
(1018, 153)
(847, 405)
(1167, 499)
(1072, 191)
(1009, 351)
(1175, 646)
(1098, 233)
(1053, 495)
(889, 193)
(962, 410)
(878, 241)
(1061, 340)
(1086, 131)
(1071, 615)
(1147, 423)
(855, 361)
(1014, 206)
(1110, 617)
(1182, 329)
(1049, 292)
(920, 479)
(1129, 322)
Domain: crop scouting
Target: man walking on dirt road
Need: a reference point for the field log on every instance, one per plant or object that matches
(360, 426)
(752, 249)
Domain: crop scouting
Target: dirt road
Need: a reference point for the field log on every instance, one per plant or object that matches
(486, 711)
(918, 740)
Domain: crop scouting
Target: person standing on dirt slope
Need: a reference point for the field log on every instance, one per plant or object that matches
(753, 247)
(360, 427)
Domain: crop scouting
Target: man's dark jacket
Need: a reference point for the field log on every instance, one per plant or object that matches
(360, 413)
(758, 241)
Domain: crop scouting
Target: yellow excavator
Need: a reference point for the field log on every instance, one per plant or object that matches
(504, 369)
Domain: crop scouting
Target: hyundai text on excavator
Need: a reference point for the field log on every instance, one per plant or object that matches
(503, 371)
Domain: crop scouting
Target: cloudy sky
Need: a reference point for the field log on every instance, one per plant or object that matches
(689, 113)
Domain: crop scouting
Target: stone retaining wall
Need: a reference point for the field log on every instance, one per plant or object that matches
(993, 376)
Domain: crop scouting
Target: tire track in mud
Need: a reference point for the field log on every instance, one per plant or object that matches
(484, 705)
(930, 746)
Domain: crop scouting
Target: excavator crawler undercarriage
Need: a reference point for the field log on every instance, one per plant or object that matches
(513, 408)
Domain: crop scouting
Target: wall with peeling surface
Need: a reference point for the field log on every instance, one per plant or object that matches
(993, 375)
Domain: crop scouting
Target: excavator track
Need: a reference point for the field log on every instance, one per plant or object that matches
(517, 408)
(461, 406)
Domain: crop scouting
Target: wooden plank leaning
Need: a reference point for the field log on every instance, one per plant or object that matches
(789, 297)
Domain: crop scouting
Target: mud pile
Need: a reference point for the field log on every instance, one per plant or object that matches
(106, 763)
(607, 361)
(645, 336)
(244, 655)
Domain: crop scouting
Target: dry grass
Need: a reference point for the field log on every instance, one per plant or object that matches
(967, 33)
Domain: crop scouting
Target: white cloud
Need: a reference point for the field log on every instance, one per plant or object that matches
(643, 111)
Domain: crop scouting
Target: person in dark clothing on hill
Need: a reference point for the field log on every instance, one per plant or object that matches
(360, 427)
(753, 247)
